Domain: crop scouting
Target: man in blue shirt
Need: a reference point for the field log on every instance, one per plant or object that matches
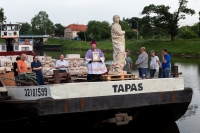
(166, 61)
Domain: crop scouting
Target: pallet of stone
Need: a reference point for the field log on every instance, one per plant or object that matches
(110, 77)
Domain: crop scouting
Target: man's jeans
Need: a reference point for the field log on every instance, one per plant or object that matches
(165, 72)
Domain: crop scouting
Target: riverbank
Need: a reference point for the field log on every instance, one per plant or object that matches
(2, 40)
(188, 48)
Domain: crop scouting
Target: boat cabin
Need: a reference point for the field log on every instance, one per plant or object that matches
(10, 32)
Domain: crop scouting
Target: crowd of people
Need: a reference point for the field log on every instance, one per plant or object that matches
(142, 63)
(97, 67)
(94, 58)
(20, 67)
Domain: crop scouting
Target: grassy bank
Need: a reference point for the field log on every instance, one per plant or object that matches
(176, 47)
(2, 40)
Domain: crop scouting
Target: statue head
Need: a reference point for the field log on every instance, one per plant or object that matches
(116, 18)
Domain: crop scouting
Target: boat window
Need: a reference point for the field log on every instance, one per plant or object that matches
(4, 28)
(15, 27)
(25, 48)
(16, 47)
(9, 28)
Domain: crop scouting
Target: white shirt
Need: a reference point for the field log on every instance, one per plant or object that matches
(154, 63)
(60, 63)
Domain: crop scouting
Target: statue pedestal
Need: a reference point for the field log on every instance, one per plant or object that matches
(116, 69)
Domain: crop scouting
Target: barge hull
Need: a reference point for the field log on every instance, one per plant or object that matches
(168, 106)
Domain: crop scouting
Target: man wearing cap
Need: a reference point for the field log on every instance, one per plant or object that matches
(95, 63)
(129, 62)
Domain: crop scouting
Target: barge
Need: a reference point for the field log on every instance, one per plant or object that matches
(89, 104)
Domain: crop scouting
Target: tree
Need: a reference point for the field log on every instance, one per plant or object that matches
(2, 17)
(130, 34)
(134, 22)
(166, 20)
(124, 25)
(98, 30)
(186, 32)
(59, 29)
(41, 24)
(81, 35)
(25, 29)
(195, 28)
(199, 24)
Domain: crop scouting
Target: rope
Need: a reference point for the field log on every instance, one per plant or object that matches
(15, 80)
(24, 76)
(31, 77)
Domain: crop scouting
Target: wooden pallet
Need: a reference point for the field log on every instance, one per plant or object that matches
(116, 77)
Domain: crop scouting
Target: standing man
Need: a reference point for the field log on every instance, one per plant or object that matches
(62, 66)
(21, 65)
(16, 71)
(95, 63)
(166, 61)
(142, 63)
(154, 64)
(129, 63)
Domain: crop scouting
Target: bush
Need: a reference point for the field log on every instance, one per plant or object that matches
(187, 34)
(130, 34)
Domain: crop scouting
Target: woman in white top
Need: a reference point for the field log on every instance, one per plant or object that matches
(154, 64)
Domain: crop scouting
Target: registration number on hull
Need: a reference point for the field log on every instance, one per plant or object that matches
(36, 92)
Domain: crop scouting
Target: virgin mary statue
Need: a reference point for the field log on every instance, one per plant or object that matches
(118, 43)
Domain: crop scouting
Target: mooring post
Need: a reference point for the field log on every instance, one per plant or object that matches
(160, 72)
(175, 71)
(56, 76)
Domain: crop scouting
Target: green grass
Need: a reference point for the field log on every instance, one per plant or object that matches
(176, 47)
(2, 40)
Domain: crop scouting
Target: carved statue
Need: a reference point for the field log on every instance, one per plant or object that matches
(118, 42)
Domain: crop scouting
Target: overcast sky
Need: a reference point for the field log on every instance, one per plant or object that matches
(67, 12)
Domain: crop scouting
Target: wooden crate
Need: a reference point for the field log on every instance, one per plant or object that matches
(116, 77)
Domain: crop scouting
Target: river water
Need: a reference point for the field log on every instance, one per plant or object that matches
(190, 69)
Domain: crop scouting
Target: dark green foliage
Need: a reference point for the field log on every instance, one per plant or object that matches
(124, 25)
(81, 35)
(98, 30)
(25, 29)
(165, 20)
(188, 32)
(130, 34)
(2, 17)
(41, 24)
(59, 30)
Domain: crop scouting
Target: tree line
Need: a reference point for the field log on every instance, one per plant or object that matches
(157, 23)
